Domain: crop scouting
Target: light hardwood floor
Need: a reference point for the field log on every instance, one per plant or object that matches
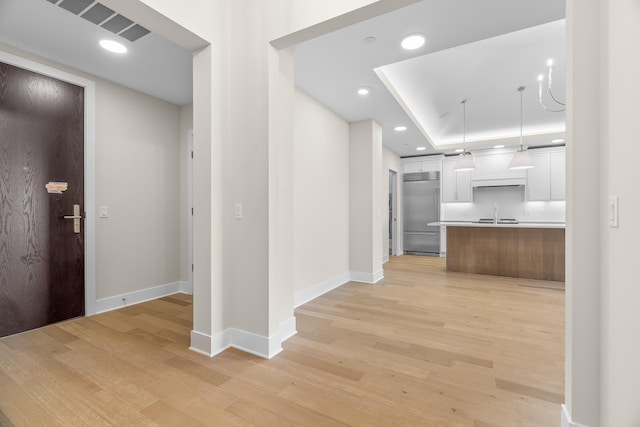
(421, 348)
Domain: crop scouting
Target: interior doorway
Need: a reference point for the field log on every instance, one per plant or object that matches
(393, 212)
(190, 208)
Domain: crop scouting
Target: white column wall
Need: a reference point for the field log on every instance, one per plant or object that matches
(365, 165)
(603, 377)
(582, 357)
(620, 372)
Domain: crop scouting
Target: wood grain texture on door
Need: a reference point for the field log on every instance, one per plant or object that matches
(41, 258)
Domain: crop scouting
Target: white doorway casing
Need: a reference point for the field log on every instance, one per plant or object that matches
(190, 209)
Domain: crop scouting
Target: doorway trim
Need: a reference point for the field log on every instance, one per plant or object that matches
(190, 209)
(89, 166)
(393, 190)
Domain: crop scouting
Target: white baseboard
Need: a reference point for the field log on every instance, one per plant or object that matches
(123, 300)
(315, 291)
(265, 347)
(385, 258)
(566, 419)
(370, 278)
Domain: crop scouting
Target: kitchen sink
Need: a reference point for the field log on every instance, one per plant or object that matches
(500, 221)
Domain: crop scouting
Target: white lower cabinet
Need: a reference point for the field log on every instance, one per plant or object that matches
(456, 186)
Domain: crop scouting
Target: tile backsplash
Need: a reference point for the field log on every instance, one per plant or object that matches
(511, 204)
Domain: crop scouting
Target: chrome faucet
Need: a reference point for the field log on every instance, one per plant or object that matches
(495, 213)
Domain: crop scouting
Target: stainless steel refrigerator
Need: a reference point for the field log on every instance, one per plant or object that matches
(421, 205)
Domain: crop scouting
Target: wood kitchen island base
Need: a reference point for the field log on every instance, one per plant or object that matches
(531, 253)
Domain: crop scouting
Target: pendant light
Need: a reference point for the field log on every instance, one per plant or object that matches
(465, 159)
(521, 158)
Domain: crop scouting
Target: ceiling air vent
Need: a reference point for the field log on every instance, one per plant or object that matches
(98, 14)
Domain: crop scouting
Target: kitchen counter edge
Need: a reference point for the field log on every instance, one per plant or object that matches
(519, 225)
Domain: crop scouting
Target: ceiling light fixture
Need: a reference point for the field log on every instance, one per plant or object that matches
(400, 128)
(557, 141)
(421, 148)
(364, 91)
(413, 41)
(561, 105)
(113, 46)
(459, 150)
(498, 146)
(521, 158)
(465, 159)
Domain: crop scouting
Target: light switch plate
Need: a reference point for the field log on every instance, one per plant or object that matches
(104, 212)
(238, 211)
(614, 202)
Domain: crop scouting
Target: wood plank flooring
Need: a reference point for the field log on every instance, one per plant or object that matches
(423, 347)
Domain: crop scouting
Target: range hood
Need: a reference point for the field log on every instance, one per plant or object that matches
(507, 181)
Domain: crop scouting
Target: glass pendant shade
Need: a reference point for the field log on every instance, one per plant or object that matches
(464, 163)
(521, 160)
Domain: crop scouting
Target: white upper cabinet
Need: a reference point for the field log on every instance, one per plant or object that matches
(421, 165)
(546, 181)
(456, 186)
(539, 178)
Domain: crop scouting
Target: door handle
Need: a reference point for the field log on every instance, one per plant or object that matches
(76, 217)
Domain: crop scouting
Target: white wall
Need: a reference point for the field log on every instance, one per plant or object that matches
(137, 142)
(390, 161)
(321, 194)
(620, 293)
(137, 138)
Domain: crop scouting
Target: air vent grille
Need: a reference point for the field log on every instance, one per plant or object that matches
(98, 14)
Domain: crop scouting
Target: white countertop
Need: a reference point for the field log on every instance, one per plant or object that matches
(519, 225)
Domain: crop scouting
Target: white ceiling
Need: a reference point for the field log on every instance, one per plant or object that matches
(152, 65)
(466, 56)
(474, 50)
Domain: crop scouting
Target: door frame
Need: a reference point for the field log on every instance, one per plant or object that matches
(190, 209)
(89, 166)
(393, 189)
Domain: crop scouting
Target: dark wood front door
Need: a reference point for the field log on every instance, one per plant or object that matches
(41, 150)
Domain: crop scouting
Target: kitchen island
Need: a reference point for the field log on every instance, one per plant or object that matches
(525, 250)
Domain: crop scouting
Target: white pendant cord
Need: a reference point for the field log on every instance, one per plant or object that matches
(521, 89)
(464, 125)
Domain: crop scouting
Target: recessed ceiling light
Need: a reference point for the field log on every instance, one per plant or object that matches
(400, 128)
(369, 40)
(459, 150)
(498, 146)
(557, 141)
(364, 91)
(421, 148)
(113, 46)
(413, 41)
